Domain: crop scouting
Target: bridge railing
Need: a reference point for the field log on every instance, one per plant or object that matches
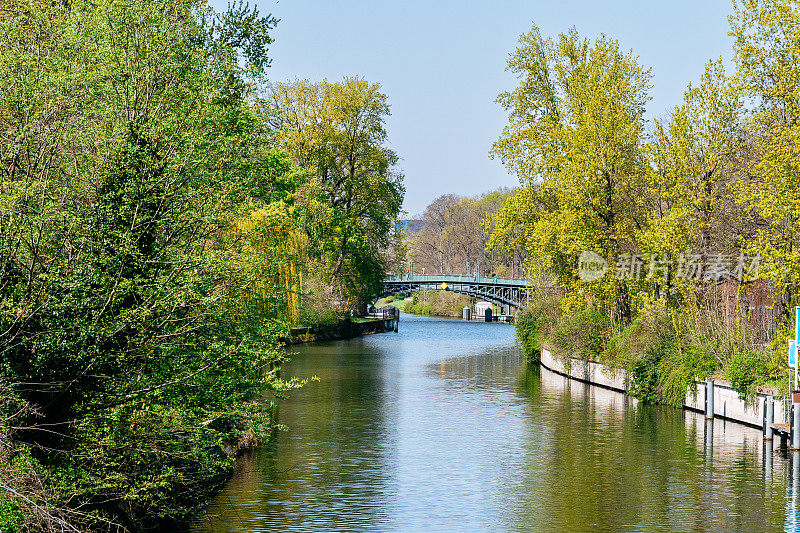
(413, 278)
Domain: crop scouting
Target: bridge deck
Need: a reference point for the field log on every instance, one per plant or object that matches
(502, 291)
(480, 280)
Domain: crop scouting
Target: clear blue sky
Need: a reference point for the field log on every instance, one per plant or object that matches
(442, 63)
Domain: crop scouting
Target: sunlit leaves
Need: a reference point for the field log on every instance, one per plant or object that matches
(575, 130)
(336, 131)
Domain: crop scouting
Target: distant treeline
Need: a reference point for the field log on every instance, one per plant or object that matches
(452, 237)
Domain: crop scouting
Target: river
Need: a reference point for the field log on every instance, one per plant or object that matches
(443, 427)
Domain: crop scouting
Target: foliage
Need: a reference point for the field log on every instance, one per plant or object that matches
(658, 358)
(767, 56)
(746, 368)
(574, 135)
(536, 322)
(10, 516)
(336, 131)
(715, 178)
(418, 308)
(141, 294)
(696, 156)
(454, 238)
(582, 335)
(438, 303)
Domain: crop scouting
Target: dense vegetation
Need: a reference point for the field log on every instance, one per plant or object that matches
(694, 216)
(159, 232)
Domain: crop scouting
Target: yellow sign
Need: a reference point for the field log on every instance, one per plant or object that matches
(444, 286)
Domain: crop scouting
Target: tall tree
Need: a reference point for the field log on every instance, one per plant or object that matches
(767, 55)
(336, 130)
(126, 329)
(576, 124)
(695, 157)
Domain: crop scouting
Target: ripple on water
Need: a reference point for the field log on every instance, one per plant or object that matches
(441, 427)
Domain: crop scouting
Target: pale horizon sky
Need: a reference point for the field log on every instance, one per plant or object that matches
(442, 66)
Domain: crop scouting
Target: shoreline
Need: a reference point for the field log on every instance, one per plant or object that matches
(727, 403)
(345, 329)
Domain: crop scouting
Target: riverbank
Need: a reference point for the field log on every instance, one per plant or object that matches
(727, 403)
(662, 349)
(432, 303)
(344, 329)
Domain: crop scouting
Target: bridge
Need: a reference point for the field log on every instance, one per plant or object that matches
(505, 292)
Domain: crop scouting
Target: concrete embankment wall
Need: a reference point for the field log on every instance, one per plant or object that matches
(727, 403)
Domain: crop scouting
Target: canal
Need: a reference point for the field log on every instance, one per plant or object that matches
(443, 427)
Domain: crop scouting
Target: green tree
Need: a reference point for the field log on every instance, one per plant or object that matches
(129, 332)
(767, 55)
(695, 159)
(576, 124)
(336, 131)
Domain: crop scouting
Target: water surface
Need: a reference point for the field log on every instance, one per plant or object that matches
(443, 427)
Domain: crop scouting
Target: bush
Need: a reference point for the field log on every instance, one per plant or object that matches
(439, 303)
(661, 361)
(583, 335)
(535, 323)
(746, 368)
(10, 516)
(663, 350)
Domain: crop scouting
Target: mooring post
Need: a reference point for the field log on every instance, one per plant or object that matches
(709, 399)
(795, 429)
(766, 450)
(769, 417)
(794, 484)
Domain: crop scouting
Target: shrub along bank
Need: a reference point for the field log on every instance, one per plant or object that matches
(663, 350)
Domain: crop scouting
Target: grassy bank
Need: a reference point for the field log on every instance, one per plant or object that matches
(346, 328)
(662, 349)
(431, 303)
(398, 301)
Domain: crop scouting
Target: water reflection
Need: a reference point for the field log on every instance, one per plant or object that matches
(442, 427)
(334, 457)
(651, 468)
(792, 492)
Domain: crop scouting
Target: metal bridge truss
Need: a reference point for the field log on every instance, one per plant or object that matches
(508, 293)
